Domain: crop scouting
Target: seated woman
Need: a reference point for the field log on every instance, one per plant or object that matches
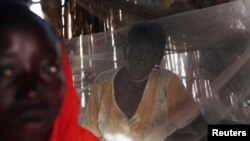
(37, 99)
(141, 101)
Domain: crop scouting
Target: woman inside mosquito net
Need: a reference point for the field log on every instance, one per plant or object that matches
(142, 101)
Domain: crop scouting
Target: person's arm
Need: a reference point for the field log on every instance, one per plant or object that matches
(184, 112)
(195, 131)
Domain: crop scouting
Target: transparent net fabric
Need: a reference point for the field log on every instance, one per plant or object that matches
(208, 49)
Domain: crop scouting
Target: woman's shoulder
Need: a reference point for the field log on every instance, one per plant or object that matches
(166, 74)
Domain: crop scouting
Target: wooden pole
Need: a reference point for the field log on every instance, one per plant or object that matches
(53, 12)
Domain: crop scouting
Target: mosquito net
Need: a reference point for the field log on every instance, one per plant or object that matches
(207, 48)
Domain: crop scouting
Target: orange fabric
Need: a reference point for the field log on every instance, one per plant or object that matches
(66, 127)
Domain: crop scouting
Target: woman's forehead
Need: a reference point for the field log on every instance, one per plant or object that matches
(24, 36)
(26, 47)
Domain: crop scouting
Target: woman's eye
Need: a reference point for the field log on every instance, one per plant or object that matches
(51, 69)
(6, 72)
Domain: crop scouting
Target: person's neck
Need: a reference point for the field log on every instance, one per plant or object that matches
(137, 77)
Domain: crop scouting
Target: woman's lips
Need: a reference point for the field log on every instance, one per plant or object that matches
(31, 118)
(32, 121)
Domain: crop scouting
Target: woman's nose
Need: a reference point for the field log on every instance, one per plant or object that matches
(29, 89)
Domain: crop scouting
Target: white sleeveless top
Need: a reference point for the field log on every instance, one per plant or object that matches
(165, 107)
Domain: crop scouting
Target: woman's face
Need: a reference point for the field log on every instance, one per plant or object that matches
(141, 57)
(31, 84)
